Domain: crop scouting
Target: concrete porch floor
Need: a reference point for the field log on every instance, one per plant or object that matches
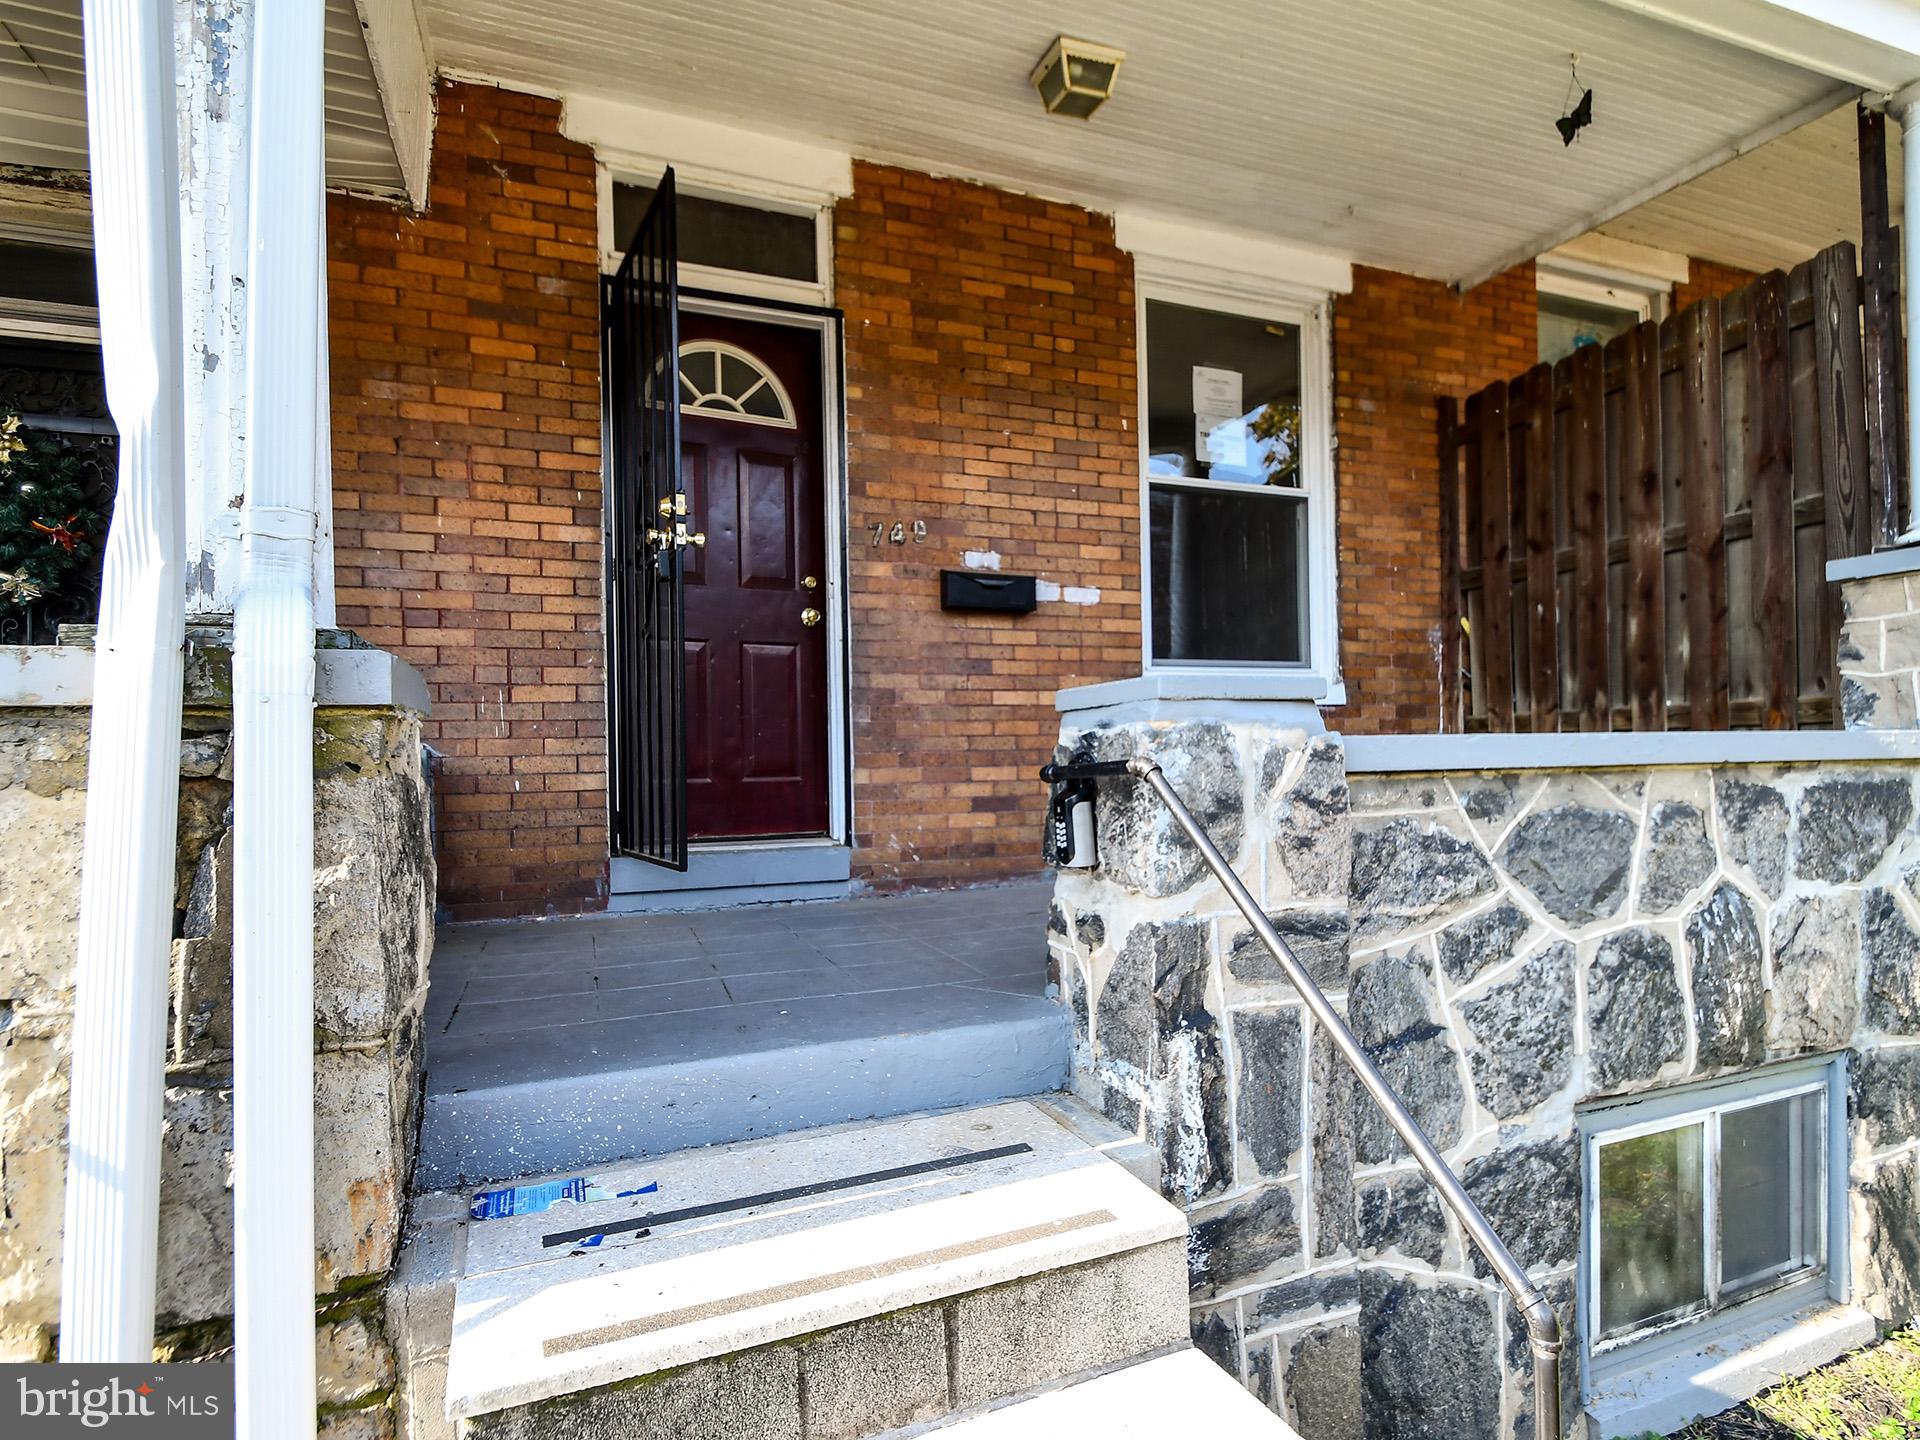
(556, 1043)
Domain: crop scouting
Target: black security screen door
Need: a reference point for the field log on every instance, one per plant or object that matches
(646, 533)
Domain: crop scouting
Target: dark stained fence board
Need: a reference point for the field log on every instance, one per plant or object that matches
(1587, 511)
(1880, 332)
(1452, 606)
(1843, 441)
(1640, 503)
(1604, 516)
(1815, 670)
(1902, 437)
(1770, 483)
(1843, 447)
(1704, 483)
(1487, 414)
(1543, 641)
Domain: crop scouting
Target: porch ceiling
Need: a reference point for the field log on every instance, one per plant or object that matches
(1775, 206)
(43, 110)
(1412, 134)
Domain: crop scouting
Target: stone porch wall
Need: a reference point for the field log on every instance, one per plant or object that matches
(1507, 946)
(1880, 653)
(373, 913)
(1184, 1030)
(1526, 942)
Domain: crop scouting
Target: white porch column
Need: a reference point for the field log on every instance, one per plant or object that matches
(212, 41)
(1905, 107)
(133, 771)
(273, 733)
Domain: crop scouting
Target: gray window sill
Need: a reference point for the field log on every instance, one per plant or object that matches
(1722, 1367)
(1196, 683)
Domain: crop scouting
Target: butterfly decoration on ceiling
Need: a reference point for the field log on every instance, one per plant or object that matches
(1579, 115)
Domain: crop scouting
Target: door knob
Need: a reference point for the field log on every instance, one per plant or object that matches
(677, 537)
(811, 582)
(809, 617)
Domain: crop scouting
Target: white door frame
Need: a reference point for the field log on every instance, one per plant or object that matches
(825, 324)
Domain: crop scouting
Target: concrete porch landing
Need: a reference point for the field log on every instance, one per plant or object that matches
(554, 1044)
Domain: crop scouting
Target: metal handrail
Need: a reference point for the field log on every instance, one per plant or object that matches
(1543, 1327)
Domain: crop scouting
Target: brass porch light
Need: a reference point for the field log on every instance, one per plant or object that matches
(1075, 77)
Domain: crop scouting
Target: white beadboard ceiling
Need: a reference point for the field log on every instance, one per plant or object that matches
(1774, 206)
(1412, 134)
(43, 113)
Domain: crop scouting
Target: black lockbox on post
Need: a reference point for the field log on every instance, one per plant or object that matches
(973, 590)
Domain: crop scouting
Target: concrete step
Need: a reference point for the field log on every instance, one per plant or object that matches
(824, 1285)
(568, 1096)
(1181, 1393)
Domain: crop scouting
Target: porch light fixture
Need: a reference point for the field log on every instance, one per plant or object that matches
(1075, 77)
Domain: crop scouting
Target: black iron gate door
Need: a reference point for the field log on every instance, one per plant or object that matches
(646, 532)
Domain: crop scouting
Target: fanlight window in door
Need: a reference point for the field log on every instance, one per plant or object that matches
(721, 379)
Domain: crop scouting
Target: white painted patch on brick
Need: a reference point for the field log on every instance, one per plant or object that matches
(1072, 594)
(981, 559)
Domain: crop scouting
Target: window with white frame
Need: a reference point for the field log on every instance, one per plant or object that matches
(1577, 308)
(1235, 482)
(1701, 1201)
(736, 244)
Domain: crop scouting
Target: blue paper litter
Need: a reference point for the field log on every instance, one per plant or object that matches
(532, 1199)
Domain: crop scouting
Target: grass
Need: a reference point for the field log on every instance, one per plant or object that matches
(1872, 1394)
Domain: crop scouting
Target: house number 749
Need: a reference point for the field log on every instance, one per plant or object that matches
(898, 533)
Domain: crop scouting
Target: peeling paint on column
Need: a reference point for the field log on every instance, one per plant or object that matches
(208, 34)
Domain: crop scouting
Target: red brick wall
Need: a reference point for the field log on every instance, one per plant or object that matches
(1708, 277)
(990, 394)
(1399, 343)
(466, 417)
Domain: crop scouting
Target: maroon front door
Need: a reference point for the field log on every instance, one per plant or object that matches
(756, 593)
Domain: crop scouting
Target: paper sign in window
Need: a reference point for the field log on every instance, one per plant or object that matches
(1220, 439)
(1217, 391)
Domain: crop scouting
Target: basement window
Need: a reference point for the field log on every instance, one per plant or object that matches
(1702, 1201)
(1235, 483)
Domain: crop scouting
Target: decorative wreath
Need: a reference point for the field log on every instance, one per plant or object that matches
(48, 527)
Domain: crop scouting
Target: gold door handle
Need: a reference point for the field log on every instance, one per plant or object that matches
(809, 617)
(810, 583)
(677, 537)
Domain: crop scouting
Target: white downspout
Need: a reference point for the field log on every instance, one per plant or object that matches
(273, 661)
(133, 768)
(1905, 107)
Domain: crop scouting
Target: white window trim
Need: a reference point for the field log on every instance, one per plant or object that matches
(1603, 1362)
(25, 319)
(1206, 287)
(1647, 296)
(48, 320)
(616, 170)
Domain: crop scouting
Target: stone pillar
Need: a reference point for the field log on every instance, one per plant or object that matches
(373, 902)
(1880, 639)
(1185, 1031)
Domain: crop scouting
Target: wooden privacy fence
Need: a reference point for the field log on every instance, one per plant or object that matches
(1637, 537)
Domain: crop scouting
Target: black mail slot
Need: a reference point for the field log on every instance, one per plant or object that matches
(972, 590)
